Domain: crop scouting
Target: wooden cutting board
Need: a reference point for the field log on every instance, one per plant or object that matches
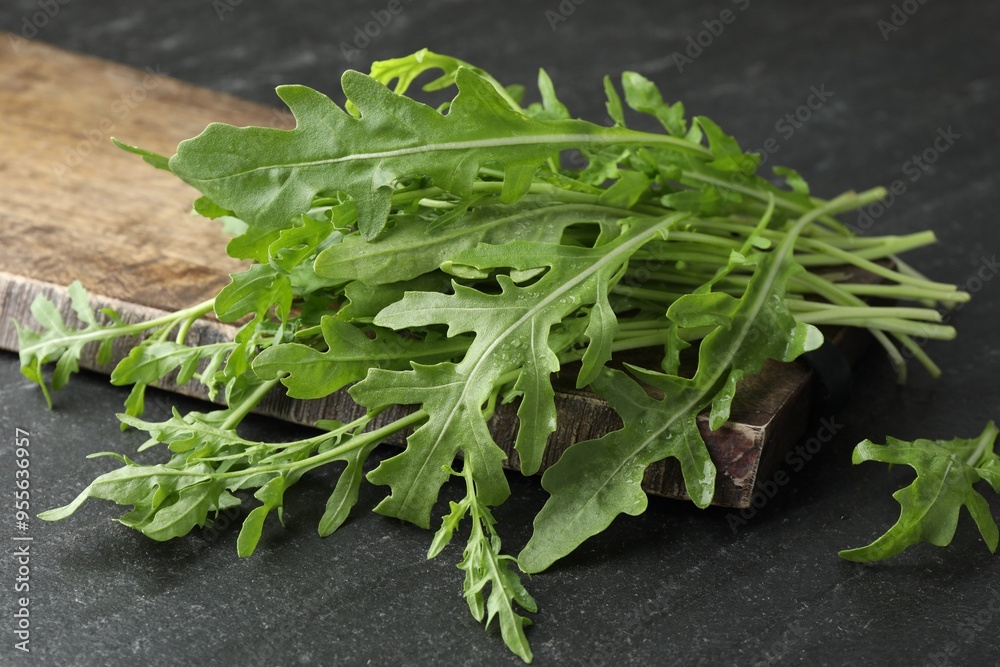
(74, 207)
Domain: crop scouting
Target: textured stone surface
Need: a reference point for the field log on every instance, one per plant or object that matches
(676, 585)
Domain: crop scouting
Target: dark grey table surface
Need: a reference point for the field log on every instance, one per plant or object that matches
(676, 585)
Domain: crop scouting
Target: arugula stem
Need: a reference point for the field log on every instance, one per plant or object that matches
(820, 312)
(983, 443)
(247, 404)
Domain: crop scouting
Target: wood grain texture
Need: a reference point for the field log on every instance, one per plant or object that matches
(74, 207)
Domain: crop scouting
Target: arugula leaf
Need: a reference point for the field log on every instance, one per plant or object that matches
(643, 96)
(255, 291)
(596, 480)
(58, 342)
(309, 373)
(413, 250)
(167, 502)
(277, 173)
(151, 361)
(484, 566)
(512, 331)
(947, 471)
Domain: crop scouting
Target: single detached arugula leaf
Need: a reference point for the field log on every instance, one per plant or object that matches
(947, 471)
(277, 173)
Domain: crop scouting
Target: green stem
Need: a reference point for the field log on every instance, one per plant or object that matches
(119, 330)
(248, 403)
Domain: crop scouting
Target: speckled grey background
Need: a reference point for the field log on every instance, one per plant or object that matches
(675, 586)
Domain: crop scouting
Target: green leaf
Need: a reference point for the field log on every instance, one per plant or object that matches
(596, 480)
(602, 325)
(181, 498)
(271, 496)
(153, 360)
(277, 173)
(309, 373)
(254, 291)
(345, 493)
(614, 103)
(793, 179)
(485, 567)
(58, 342)
(207, 208)
(409, 251)
(643, 96)
(406, 69)
(512, 337)
(550, 108)
(155, 159)
(947, 471)
(297, 243)
(627, 191)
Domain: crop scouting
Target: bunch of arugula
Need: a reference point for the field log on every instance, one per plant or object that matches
(447, 259)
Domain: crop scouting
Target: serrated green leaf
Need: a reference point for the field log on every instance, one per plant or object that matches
(512, 335)
(407, 252)
(643, 96)
(309, 373)
(254, 291)
(929, 507)
(153, 360)
(189, 491)
(277, 173)
(58, 342)
(596, 480)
